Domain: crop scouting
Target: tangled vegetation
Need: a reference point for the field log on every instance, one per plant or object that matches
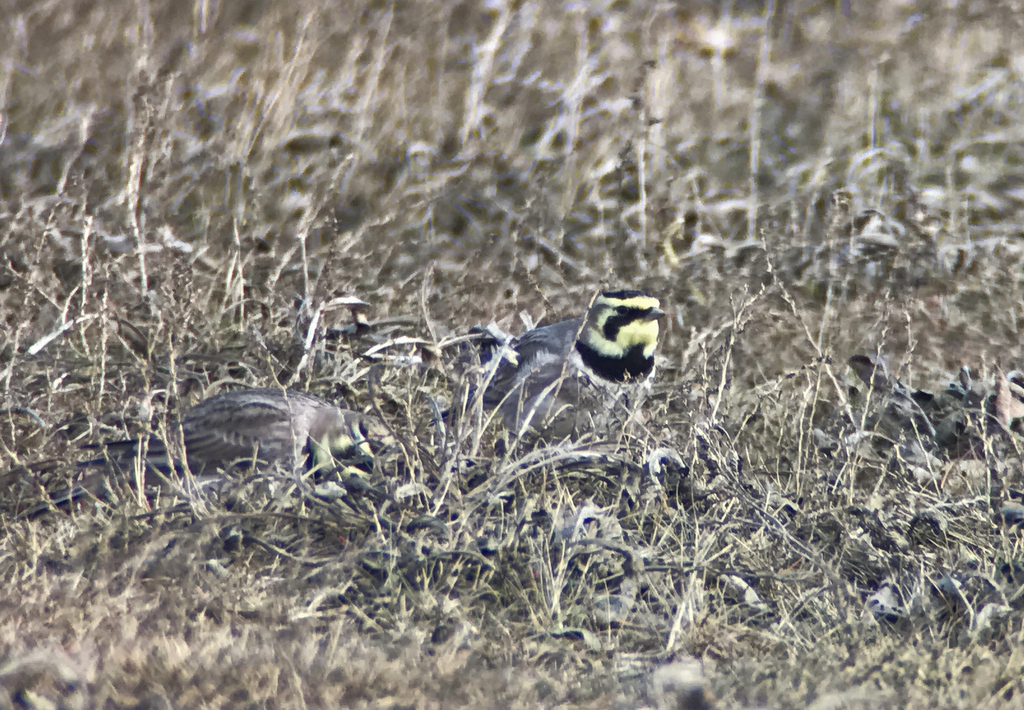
(821, 505)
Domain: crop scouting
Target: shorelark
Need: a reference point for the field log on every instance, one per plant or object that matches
(581, 374)
(264, 425)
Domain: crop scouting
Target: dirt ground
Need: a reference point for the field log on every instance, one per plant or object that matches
(821, 504)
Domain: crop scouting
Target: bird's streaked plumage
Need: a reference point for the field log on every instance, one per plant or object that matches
(264, 427)
(284, 427)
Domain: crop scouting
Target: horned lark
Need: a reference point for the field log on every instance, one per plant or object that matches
(266, 427)
(579, 374)
(271, 426)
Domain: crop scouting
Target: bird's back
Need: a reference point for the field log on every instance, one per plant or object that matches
(271, 422)
(540, 353)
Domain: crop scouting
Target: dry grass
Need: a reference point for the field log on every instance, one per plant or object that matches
(184, 189)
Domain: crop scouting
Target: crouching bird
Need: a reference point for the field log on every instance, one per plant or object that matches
(583, 374)
(263, 427)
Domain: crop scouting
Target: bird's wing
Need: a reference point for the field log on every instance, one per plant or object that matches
(541, 353)
(275, 423)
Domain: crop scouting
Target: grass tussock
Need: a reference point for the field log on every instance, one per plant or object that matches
(821, 506)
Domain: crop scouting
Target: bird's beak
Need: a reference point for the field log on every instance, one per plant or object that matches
(655, 314)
